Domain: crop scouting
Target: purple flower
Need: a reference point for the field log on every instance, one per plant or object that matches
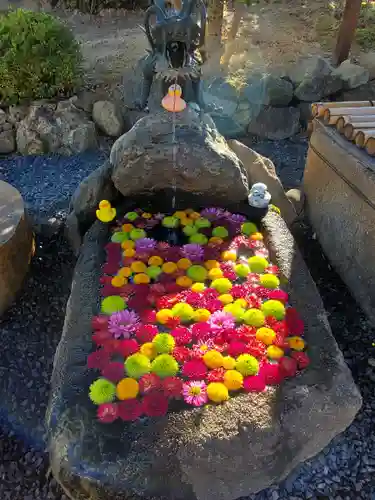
(144, 245)
(236, 218)
(193, 252)
(212, 213)
(122, 324)
(221, 320)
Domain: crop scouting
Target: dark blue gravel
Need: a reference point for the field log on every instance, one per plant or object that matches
(47, 182)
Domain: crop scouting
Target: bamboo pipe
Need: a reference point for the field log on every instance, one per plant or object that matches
(331, 116)
(344, 120)
(362, 137)
(318, 108)
(370, 146)
(351, 129)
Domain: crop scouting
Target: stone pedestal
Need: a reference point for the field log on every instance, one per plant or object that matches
(16, 244)
(339, 183)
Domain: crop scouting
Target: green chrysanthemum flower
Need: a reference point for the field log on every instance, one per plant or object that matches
(102, 391)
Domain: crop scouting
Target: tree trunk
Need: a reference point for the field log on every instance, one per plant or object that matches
(346, 31)
(214, 23)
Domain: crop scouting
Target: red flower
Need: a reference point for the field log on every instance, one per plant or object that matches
(278, 295)
(194, 299)
(213, 305)
(110, 268)
(146, 333)
(256, 348)
(235, 348)
(288, 366)
(107, 413)
(105, 280)
(216, 375)
(200, 330)
(112, 248)
(138, 302)
(182, 335)
(254, 383)
(101, 337)
(280, 341)
(149, 382)
(210, 293)
(108, 290)
(254, 301)
(114, 371)
(99, 322)
(111, 346)
(130, 410)
(272, 270)
(172, 322)
(302, 359)
(271, 373)
(181, 354)
(157, 288)
(148, 316)
(127, 347)
(172, 387)
(245, 333)
(155, 404)
(238, 291)
(194, 369)
(98, 359)
(294, 321)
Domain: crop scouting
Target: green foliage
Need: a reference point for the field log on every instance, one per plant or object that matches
(365, 34)
(39, 57)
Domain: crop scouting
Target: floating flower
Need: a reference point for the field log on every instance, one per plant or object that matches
(271, 373)
(257, 264)
(163, 316)
(155, 404)
(123, 324)
(194, 369)
(216, 375)
(217, 392)
(233, 380)
(212, 213)
(193, 252)
(145, 245)
(220, 232)
(254, 383)
(221, 320)
(145, 333)
(202, 315)
(288, 367)
(164, 366)
(164, 343)
(229, 255)
(113, 371)
(181, 354)
(98, 359)
(184, 281)
(130, 410)
(102, 391)
(149, 382)
(127, 347)
(296, 343)
(215, 273)
(184, 263)
(172, 387)
(274, 352)
(273, 308)
(247, 365)
(155, 260)
(269, 281)
(266, 335)
(213, 359)
(107, 413)
(198, 287)
(137, 365)
(222, 285)
(127, 388)
(279, 295)
(182, 335)
(302, 359)
(235, 348)
(183, 311)
(112, 304)
(195, 393)
(148, 349)
(169, 267)
(197, 273)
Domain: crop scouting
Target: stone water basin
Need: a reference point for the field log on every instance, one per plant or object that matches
(221, 451)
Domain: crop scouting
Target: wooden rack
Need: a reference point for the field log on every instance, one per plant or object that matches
(354, 120)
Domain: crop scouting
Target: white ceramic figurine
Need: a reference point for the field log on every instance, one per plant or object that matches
(259, 196)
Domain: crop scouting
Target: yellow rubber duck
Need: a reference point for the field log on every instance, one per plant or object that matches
(173, 101)
(105, 213)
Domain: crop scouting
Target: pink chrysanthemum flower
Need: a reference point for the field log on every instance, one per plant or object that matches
(123, 324)
(221, 320)
(195, 393)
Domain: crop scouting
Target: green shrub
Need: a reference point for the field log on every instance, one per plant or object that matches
(365, 34)
(39, 57)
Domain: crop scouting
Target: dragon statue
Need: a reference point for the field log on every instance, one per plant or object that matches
(176, 54)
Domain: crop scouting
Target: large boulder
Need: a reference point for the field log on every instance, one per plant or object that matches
(51, 128)
(275, 123)
(352, 75)
(221, 453)
(184, 151)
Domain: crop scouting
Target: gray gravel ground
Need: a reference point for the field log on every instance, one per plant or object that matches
(345, 470)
